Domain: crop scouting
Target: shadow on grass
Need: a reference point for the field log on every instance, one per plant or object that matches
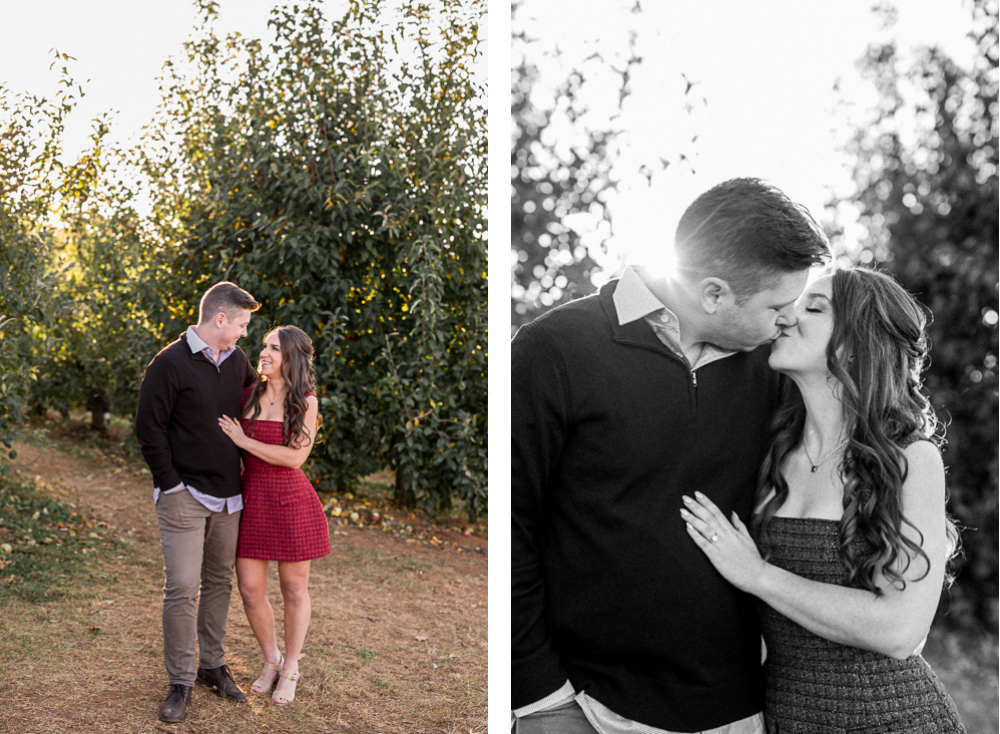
(44, 545)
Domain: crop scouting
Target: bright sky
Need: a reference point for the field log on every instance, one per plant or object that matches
(119, 46)
(767, 71)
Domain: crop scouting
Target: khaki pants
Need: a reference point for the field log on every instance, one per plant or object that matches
(199, 550)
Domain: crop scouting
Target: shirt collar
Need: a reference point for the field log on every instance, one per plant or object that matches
(196, 343)
(632, 299)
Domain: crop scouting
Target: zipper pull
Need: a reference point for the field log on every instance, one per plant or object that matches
(694, 378)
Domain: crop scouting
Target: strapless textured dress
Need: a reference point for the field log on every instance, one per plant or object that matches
(815, 686)
(282, 518)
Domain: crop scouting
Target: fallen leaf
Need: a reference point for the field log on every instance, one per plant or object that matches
(418, 638)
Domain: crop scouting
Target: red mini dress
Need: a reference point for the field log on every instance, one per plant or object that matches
(282, 519)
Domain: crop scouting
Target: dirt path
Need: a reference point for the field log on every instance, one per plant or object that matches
(398, 641)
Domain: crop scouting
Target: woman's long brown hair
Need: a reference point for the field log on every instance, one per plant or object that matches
(300, 380)
(876, 353)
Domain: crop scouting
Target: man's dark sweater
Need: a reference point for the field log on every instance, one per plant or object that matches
(609, 429)
(181, 399)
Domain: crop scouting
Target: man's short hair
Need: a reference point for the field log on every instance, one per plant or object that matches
(748, 233)
(227, 298)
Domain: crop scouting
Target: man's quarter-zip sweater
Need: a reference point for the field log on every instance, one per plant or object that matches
(181, 399)
(609, 428)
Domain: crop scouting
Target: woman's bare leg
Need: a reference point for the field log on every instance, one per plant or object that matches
(252, 578)
(294, 578)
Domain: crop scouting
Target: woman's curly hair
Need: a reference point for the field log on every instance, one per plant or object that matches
(876, 353)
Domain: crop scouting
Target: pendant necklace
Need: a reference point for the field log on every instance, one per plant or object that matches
(815, 465)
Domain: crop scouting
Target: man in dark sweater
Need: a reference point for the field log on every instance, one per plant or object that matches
(656, 386)
(197, 493)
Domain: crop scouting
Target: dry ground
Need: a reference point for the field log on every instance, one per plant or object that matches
(398, 641)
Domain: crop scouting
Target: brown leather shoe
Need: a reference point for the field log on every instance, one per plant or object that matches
(174, 709)
(221, 680)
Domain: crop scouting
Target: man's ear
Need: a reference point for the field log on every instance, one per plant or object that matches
(714, 293)
(220, 320)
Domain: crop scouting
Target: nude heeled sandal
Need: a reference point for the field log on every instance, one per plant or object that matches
(279, 692)
(259, 686)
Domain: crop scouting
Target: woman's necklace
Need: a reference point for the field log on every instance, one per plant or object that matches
(281, 395)
(814, 465)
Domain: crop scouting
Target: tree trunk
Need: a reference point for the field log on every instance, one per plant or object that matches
(98, 407)
(403, 497)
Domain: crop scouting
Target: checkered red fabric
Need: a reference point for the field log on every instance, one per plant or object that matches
(283, 519)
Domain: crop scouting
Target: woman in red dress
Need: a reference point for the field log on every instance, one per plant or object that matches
(282, 518)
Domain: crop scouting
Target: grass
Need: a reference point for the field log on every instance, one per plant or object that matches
(42, 543)
(371, 504)
(78, 440)
(379, 656)
(397, 642)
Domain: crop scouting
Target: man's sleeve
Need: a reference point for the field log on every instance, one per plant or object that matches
(539, 422)
(152, 417)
